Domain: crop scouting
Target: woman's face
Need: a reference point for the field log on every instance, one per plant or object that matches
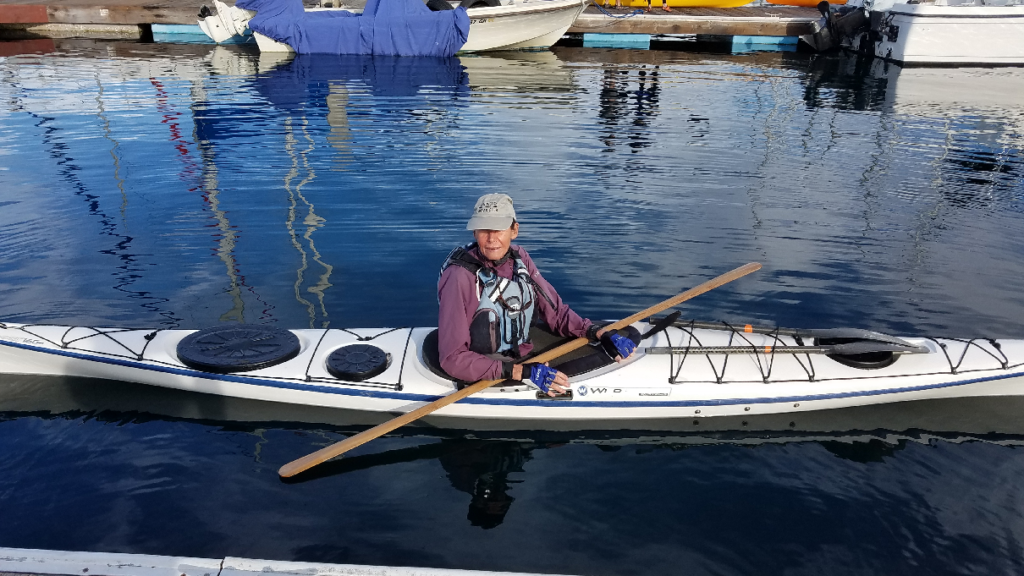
(494, 243)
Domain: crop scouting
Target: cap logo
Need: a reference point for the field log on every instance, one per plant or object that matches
(488, 207)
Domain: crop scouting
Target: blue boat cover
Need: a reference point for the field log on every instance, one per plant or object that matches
(306, 82)
(386, 27)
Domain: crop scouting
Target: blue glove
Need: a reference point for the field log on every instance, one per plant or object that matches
(616, 345)
(542, 376)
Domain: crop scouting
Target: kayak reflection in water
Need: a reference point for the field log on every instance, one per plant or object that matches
(491, 294)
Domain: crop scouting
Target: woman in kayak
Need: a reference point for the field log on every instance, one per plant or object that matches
(490, 293)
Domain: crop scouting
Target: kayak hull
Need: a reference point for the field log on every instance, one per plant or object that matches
(648, 387)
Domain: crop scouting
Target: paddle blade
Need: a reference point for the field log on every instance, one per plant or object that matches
(662, 324)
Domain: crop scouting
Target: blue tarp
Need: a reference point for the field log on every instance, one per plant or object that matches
(306, 81)
(386, 27)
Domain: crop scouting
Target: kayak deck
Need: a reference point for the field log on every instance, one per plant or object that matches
(675, 373)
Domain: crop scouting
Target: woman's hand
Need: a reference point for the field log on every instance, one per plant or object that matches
(547, 379)
(616, 345)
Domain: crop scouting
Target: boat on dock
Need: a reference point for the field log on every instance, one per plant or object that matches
(682, 370)
(938, 32)
(493, 24)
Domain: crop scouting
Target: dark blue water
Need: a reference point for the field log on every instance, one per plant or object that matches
(146, 185)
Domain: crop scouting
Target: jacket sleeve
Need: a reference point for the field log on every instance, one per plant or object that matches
(557, 314)
(457, 299)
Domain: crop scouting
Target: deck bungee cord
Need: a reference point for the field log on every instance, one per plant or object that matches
(968, 344)
(849, 345)
(64, 342)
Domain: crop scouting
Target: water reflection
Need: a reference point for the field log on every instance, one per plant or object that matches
(340, 136)
(487, 470)
(206, 133)
(304, 85)
(621, 103)
(128, 265)
(980, 102)
(491, 470)
(542, 73)
(846, 82)
(311, 221)
(304, 81)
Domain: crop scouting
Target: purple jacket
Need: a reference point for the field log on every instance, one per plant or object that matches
(456, 291)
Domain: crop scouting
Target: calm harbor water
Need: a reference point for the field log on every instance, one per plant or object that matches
(183, 186)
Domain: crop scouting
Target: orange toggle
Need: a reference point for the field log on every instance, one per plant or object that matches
(748, 328)
(767, 349)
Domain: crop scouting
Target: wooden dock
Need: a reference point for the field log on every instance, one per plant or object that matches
(128, 18)
(745, 21)
(105, 12)
(30, 562)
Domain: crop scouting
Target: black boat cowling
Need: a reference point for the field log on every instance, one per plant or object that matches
(237, 348)
(357, 362)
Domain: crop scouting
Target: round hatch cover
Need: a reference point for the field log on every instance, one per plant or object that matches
(233, 348)
(357, 362)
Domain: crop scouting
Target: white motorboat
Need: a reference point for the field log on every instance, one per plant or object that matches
(509, 25)
(940, 32)
(684, 371)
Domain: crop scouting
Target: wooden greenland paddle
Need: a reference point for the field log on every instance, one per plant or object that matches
(338, 448)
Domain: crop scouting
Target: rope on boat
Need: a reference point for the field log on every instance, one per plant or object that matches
(313, 355)
(337, 382)
(401, 367)
(149, 338)
(763, 350)
(780, 347)
(68, 344)
(765, 375)
(954, 368)
(636, 12)
(368, 338)
(764, 366)
(64, 342)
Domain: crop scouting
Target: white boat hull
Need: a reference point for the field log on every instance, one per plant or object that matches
(524, 25)
(648, 387)
(952, 35)
(535, 26)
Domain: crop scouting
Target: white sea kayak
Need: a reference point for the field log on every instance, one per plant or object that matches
(687, 370)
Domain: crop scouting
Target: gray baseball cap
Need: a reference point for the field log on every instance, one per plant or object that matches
(492, 212)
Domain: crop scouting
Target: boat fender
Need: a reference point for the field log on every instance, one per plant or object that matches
(439, 5)
(357, 362)
(237, 348)
(467, 4)
(865, 361)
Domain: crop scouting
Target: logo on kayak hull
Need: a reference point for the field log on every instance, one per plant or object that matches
(641, 392)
